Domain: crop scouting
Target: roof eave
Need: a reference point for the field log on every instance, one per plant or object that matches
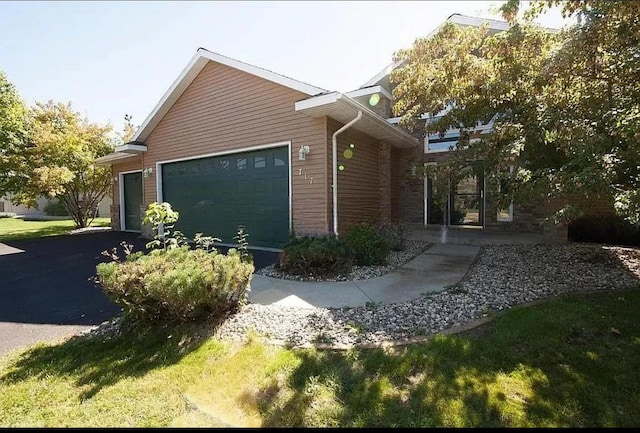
(342, 108)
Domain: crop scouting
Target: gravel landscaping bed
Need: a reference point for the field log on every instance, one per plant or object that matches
(503, 276)
(396, 258)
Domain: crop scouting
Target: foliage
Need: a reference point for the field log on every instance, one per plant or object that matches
(162, 218)
(176, 283)
(128, 130)
(564, 104)
(315, 256)
(58, 162)
(605, 229)
(393, 234)
(55, 208)
(243, 245)
(204, 242)
(13, 137)
(368, 245)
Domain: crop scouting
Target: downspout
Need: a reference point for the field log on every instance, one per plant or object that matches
(334, 150)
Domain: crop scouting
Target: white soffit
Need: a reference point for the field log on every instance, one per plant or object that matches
(114, 157)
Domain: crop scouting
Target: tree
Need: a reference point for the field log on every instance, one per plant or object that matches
(13, 136)
(566, 104)
(61, 160)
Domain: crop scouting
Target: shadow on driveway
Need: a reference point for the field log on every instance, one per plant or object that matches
(50, 280)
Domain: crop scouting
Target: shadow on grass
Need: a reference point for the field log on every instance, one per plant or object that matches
(97, 362)
(571, 362)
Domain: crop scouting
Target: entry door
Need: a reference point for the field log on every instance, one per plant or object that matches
(465, 204)
(132, 192)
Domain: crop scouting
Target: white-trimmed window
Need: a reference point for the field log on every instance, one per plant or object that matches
(506, 214)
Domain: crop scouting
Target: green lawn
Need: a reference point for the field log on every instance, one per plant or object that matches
(15, 228)
(569, 362)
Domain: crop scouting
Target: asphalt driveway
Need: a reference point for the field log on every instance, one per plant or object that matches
(47, 289)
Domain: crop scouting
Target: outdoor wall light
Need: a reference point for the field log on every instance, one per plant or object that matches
(147, 171)
(302, 153)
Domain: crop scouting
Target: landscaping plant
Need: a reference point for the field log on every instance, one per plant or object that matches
(173, 282)
(315, 256)
(369, 247)
(393, 234)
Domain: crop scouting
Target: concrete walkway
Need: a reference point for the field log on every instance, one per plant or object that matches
(440, 266)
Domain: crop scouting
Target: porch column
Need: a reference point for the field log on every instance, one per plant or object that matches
(385, 180)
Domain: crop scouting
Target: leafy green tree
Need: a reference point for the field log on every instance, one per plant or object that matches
(60, 159)
(566, 103)
(13, 136)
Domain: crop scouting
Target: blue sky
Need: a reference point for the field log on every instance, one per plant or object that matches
(112, 58)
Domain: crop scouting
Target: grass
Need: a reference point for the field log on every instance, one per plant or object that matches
(12, 229)
(569, 362)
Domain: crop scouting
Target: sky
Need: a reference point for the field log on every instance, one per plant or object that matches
(113, 58)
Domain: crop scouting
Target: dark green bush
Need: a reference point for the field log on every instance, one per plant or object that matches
(393, 234)
(367, 245)
(177, 284)
(55, 208)
(315, 256)
(604, 229)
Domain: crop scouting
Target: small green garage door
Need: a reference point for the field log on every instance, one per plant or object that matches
(214, 195)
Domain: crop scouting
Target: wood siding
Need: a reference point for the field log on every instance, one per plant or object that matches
(225, 109)
(359, 183)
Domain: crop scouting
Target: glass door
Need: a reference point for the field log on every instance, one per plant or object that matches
(465, 203)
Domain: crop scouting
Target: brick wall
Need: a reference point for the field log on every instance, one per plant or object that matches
(115, 216)
(385, 181)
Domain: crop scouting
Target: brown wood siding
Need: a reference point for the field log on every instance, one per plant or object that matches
(130, 164)
(359, 183)
(225, 109)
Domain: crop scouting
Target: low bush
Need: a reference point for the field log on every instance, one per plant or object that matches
(393, 234)
(604, 229)
(315, 256)
(55, 208)
(177, 284)
(367, 245)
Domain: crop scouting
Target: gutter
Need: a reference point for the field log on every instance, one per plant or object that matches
(334, 153)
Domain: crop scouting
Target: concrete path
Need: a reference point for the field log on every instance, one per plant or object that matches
(440, 266)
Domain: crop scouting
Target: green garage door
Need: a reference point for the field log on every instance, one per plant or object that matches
(215, 195)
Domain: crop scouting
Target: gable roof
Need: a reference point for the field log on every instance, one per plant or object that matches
(193, 68)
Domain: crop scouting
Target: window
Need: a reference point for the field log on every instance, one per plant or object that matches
(279, 162)
(259, 162)
(241, 163)
(506, 214)
(224, 164)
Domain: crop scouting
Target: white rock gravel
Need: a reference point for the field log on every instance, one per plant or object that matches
(395, 259)
(503, 276)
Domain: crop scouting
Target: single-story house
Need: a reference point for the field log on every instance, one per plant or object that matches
(231, 143)
(6, 205)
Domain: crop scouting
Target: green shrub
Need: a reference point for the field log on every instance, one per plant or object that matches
(393, 234)
(315, 256)
(605, 229)
(367, 245)
(177, 284)
(55, 208)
